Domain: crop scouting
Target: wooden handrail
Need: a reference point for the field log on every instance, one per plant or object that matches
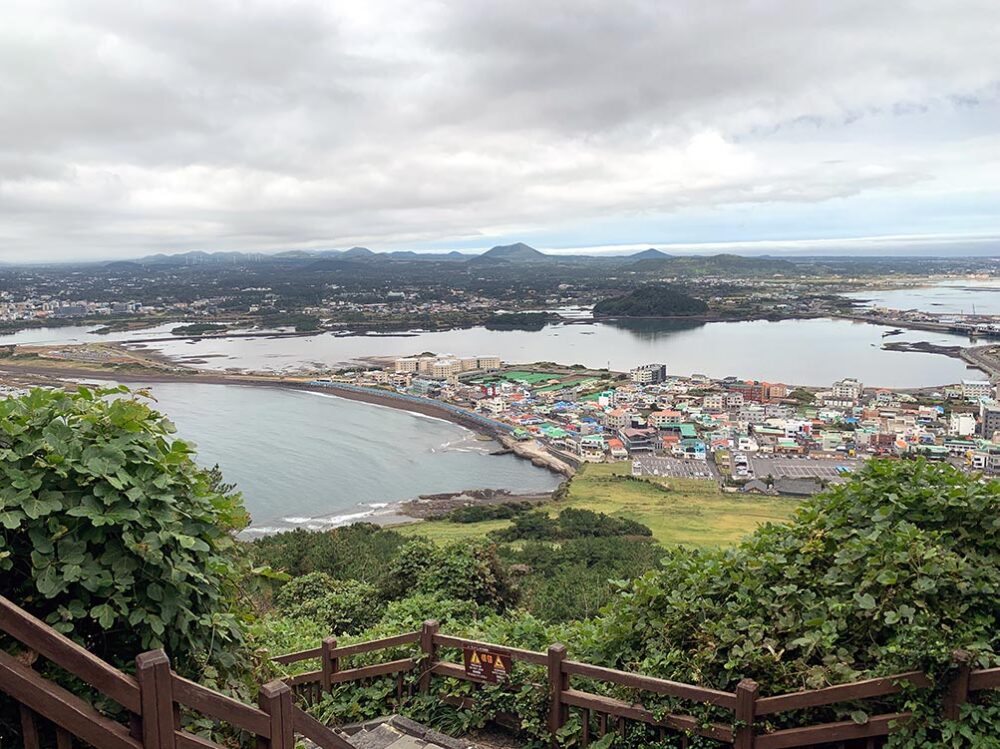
(857, 690)
(827, 733)
(61, 707)
(312, 729)
(407, 638)
(651, 684)
(212, 704)
(62, 651)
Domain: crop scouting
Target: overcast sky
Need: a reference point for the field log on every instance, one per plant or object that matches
(135, 127)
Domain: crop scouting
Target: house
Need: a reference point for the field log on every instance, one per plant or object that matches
(617, 448)
(756, 486)
(591, 448)
(661, 419)
(689, 449)
(638, 440)
(617, 418)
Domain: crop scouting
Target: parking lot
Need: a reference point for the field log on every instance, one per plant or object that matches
(673, 467)
(828, 469)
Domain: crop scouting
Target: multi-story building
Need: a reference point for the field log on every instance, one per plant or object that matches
(714, 401)
(848, 389)
(989, 420)
(661, 419)
(488, 361)
(617, 418)
(962, 425)
(975, 389)
(407, 364)
(442, 369)
(649, 374)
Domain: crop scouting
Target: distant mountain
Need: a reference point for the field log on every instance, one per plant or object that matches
(650, 254)
(356, 253)
(200, 257)
(511, 253)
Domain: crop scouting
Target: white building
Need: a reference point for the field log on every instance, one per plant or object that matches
(962, 425)
(649, 374)
(848, 389)
(975, 389)
(407, 364)
(488, 361)
(442, 369)
(714, 401)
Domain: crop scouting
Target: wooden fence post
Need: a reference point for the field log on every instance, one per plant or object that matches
(331, 665)
(275, 699)
(152, 671)
(558, 683)
(29, 729)
(958, 690)
(429, 650)
(746, 707)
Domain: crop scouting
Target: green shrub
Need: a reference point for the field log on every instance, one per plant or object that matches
(479, 513)
(361, 551)
(466, 571)
(341, 606)
(571, 523)
(110, 532)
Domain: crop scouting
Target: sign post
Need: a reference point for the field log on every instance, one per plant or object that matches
(488, 665)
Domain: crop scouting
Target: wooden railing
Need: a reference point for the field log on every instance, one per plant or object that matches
(599, 713)
(152, 699)
(155, 698)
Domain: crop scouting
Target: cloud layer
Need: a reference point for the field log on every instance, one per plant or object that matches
(147, 126)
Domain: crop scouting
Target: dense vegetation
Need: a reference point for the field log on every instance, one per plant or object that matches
(518, 321)
(570, 523)
(112, 534)
(199, 328)
(652, 301)
(890, 572)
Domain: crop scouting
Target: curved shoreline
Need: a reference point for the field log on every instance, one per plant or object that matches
(538, 456)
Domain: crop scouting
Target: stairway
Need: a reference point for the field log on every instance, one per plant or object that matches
(397, 732)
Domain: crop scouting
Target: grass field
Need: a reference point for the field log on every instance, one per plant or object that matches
(693, 512)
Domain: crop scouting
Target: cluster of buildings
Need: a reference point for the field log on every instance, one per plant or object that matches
(40, 309)
(445, 367)
(601, 416)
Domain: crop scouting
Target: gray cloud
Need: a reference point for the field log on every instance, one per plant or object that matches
(144, 126)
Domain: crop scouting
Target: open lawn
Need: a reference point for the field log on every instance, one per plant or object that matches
(443, 532)
(693, 512)
(678, 511)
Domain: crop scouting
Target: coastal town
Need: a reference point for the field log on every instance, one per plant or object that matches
(763, 437)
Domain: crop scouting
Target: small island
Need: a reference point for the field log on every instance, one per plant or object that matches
(660, 300)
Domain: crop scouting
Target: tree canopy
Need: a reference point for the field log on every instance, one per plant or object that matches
(658, 300)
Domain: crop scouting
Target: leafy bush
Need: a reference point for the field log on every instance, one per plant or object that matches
(110, 532)
(576, 578)
(479, 513)
(342, 606)
(362, 551)
(571, 523)
(469, 571)
(889, 572)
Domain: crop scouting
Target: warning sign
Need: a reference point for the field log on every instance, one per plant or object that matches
(488, 665)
